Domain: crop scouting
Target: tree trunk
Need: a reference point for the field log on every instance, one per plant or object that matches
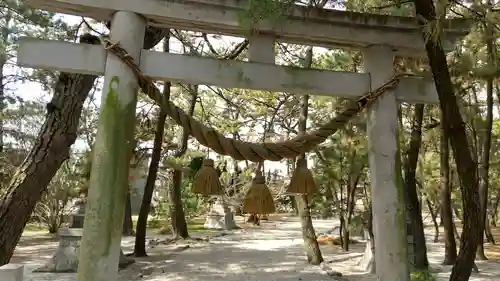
(485, 157)
(450, 245)
(51, 149)
(342, 214)
(494, 210)
(351, 203)
(142, 220)
(128, 224)
(434, 220)
(177, 217)
(311, 246)
(441, 222)
(466, 167)
(343, 234)
(326, 208)
(413, 204)
(487, 231)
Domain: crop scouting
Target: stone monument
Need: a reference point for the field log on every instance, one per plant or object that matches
(78, 215)
(220, 216)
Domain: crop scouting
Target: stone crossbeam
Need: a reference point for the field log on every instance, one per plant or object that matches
(303, 25)
(90, 59)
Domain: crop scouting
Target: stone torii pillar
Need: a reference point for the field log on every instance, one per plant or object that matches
(100, 248)
(391, 260)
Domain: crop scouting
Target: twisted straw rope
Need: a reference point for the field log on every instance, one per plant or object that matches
(240, 150)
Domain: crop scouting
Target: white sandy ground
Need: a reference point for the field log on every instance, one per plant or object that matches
(271, 253)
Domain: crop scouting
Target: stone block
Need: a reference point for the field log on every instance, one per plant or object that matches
(76, 220)
(12, 272)
(65, 259)
(220, 217)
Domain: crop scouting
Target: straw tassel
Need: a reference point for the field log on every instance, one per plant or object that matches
(302, 181)
(206, 181)
(258, 199)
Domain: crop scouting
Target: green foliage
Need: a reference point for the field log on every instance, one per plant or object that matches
(191, 203)
(258, 10)
(196, 163)
(422, 276)
(56, 201)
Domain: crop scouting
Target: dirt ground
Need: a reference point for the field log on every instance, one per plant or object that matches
(270, 252)
(492, 251)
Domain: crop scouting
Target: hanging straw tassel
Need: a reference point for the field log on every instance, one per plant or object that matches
(206, 181)
(258, 199)
(302, 181)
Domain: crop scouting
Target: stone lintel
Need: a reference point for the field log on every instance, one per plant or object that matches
(303, 25)
(90, 59)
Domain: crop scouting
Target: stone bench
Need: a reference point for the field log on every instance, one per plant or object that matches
(65, 259)
(12, 272)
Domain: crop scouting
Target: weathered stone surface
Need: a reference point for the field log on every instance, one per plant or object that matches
(78, 215)
(220, 217)
(367, 262)
(12, 272)
(65, 259)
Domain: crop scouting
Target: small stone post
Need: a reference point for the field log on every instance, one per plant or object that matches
(391, 261)
(100, 248)
(12, 272)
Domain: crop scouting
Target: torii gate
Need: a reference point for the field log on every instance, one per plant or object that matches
(381, 37)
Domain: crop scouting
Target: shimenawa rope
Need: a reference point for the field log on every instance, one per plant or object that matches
(240, 150)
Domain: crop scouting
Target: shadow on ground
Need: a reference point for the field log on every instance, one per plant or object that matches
(271, 252)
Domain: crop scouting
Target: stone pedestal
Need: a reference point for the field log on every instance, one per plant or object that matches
(220, 217)
(12, 272)
(65, 259)
(367, 262)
